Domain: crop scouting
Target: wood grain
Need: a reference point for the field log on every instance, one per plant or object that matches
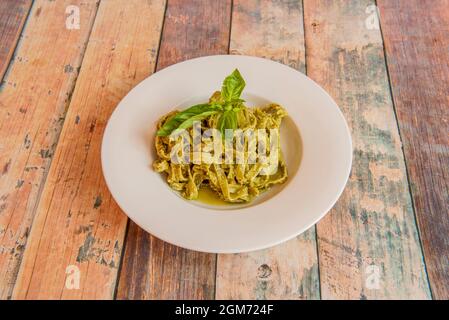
(77, 222)
(153, 269)
(416, 37)
(370, 234)
(273, 30)
(33, 100)
(13, 14)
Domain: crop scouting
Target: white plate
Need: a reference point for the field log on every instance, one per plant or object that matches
(315, 182)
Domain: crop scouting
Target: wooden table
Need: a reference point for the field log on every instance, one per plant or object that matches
(63, 74)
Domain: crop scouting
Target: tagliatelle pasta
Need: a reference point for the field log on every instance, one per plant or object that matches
(234, 182)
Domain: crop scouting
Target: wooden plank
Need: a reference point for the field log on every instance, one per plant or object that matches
(273, 30)
(153, 269)
(33, 100)
(417, 46)
(13, 14)
(78, 226)
(368, 244)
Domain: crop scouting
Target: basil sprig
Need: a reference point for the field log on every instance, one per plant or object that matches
(233, 86)
(227, 105)
(183, 117)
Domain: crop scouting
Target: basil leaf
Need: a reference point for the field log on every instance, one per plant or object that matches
(228, 120)
(233, 86)
(175, 121)
(189, 122)
(221, 122)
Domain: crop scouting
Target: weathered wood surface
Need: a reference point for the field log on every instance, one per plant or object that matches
(416, 37)
(153, 269)
(371, 230)
(273, 30)
(33, 100)
(13, 14)
(77, 223)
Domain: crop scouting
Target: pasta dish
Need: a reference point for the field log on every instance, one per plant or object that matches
(222, 145)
